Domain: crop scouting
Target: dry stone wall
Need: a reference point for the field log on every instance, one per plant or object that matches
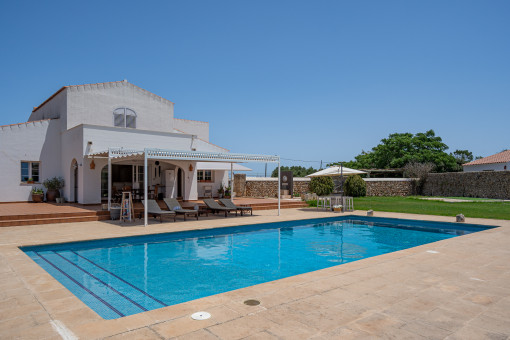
(265, 186)
(268, 186)
(485, 184)
(389, 186)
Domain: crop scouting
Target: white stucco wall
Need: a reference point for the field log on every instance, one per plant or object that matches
(487, 167)
(95, 103)
(72, 148)
(55, 108)
(192, 127)
(35, 141)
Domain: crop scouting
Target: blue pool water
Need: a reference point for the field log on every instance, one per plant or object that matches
(124, 276)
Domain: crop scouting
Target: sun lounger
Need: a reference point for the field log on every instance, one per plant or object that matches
(174, 205)
(229, 204)
(215, 206)
(153, 209)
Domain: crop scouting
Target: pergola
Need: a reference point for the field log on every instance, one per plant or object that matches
(180, 155)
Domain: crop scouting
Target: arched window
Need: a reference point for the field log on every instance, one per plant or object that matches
(124, 117)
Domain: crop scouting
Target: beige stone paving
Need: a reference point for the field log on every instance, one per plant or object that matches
(461, 292)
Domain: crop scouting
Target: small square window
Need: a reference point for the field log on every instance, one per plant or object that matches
(30, 171)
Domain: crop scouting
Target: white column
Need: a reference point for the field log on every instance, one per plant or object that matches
(145, 191)
(279, 186)
(232, 180)
(109, 181)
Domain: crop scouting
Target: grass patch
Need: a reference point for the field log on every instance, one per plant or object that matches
(413, 205)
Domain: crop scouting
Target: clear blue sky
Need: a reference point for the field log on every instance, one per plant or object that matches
(309, 80)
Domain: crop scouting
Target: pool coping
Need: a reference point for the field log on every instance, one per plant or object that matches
(226, 307)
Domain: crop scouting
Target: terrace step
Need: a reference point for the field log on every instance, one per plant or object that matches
(36, 219)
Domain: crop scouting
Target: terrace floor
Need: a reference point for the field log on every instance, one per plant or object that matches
(460, 291)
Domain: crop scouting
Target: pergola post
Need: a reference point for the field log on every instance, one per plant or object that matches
(145, 190)
(231, 180)
(109, 181)
(279, 184)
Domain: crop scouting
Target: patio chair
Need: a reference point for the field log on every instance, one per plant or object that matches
(208, 191)
(153, 209)
(216, 207)
(174, 205)
(229, 204)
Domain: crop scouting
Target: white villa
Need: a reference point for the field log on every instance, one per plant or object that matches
(81, 131)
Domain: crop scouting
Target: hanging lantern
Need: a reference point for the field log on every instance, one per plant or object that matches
(191, 167)
(92, 164)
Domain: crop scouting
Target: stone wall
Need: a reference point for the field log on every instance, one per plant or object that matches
(268, 186)
(265, 186)
(389, 186)
(485, 184)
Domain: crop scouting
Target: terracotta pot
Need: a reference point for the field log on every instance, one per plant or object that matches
(52, 194)
(37, 198)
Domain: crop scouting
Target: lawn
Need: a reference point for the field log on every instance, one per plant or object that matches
(413, 205)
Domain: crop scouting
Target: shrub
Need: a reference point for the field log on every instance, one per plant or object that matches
(321, 185)
(55, 183)
(355, 186)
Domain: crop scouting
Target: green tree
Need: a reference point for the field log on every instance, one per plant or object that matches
(297, 171)
(401, 148)
(462, 156)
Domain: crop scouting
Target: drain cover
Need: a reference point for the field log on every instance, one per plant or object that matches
(252, 302)
(200, 316)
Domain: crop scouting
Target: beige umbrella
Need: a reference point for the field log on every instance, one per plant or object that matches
(336, 171)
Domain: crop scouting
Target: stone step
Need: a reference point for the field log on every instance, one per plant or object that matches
(54, 215)
(20, 222)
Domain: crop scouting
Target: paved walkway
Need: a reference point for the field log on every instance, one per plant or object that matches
(460, 290)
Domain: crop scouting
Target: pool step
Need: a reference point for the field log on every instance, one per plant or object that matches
(36, 219)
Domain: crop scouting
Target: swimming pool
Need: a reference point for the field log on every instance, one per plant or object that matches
(124, 276)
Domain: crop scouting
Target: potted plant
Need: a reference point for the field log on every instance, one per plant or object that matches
(37, 195)
(221, 191)
(227, 193)
(337, 208)
(30, 181)
(53, 185)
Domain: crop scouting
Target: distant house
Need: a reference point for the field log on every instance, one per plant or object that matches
(497, 162)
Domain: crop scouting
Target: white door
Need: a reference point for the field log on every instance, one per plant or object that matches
(170, 183)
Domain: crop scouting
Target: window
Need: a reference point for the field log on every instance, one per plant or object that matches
(124, 117)
(30, 170)
(204, 175)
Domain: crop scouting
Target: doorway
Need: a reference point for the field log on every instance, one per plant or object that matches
(180, 177)
(73, 195)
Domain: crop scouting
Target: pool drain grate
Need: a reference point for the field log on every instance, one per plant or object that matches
(252, 302)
